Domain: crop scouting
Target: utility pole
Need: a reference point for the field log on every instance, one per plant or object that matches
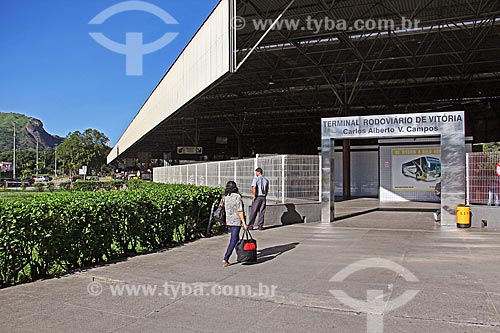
(36, 156)
(55, 161)
(14, 155)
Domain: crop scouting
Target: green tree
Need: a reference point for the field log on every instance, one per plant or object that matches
(46, 161)
(25, 159)
(25, 162)
(491, 146)
(89, 148)
(6, 156)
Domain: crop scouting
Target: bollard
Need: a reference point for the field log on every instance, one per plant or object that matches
(463, 216)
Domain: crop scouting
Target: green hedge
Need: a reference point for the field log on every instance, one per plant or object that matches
(62, 231)
(94, 185)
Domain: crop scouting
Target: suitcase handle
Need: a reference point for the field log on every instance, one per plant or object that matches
(247, 234)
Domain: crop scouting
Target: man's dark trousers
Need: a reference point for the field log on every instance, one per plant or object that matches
(258, 206)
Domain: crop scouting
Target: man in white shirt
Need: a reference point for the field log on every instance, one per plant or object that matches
(260, 188)
(437, 192)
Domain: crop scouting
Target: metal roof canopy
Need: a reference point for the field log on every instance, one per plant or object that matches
(287, 80)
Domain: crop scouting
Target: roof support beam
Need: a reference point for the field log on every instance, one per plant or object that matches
(265, 34)
(345, 38)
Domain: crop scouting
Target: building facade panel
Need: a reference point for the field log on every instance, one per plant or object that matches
(204, 61)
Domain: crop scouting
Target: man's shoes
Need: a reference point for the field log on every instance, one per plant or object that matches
(251, 227)
(436, 218)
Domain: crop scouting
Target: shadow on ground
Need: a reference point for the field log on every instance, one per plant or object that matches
(270, 253)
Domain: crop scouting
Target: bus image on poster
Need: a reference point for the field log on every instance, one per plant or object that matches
(424, 168)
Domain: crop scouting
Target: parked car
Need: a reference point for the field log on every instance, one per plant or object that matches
(119, 176)
(77, 177)
(147, 176)
(9, 182)
(5, 181)
(38, 179)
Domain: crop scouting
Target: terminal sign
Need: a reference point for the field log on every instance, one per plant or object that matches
(417, 124)
(189, 150)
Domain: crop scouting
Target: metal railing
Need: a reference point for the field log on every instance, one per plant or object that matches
(298, 176)
(290, 176)
(483, 182)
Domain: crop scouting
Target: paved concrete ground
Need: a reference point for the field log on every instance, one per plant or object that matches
(457, 270)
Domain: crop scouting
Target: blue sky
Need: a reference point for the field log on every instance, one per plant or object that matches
(51, 69)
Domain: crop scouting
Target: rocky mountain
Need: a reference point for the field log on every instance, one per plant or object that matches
(28, 130)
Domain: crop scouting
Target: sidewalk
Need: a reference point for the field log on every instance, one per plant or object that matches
(457, 270)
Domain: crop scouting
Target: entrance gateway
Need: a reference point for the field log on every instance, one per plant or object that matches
(449, 126)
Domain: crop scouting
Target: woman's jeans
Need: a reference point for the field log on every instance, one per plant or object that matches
(490, 198)
(235, 236)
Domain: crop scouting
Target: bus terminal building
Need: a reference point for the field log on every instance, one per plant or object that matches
(391, 110)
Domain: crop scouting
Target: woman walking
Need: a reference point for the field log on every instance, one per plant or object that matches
(235, 217)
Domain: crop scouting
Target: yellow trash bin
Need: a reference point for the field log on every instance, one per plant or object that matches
(463, 216)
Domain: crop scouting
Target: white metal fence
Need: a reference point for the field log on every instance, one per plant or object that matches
(483, 182)
(298, 176)
(290, 176)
